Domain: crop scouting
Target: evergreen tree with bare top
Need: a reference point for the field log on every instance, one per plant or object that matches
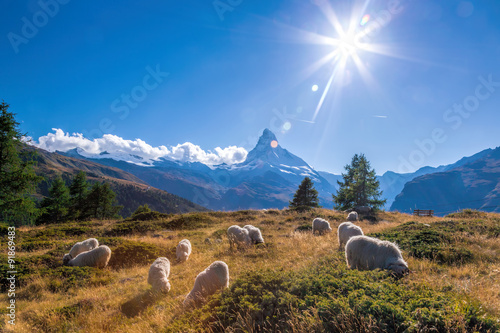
(359, 186)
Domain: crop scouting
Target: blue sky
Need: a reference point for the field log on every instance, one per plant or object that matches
(233, 73)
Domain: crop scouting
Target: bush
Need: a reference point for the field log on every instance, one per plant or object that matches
(304, 228)
(149, 216)
(189, 222)
(437, 241)
(67, 278)
(129, 228)
(468, 214)
(31, 246)
(340, 299)
(131, 253)
(302, 209)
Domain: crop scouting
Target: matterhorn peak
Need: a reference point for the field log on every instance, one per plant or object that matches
(266, 139)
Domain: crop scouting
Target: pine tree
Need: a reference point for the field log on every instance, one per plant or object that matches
(306, 195)
(79, 190)
(55, 206)
(101, 201)
(17, 177)
(359, 186)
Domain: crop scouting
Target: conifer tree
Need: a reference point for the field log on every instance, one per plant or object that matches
(306, 195)
(359, 186)
(17, 176)
(79, 190)
(102, 201)
(55, 206)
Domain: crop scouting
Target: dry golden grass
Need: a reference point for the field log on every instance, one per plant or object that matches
(125, 305)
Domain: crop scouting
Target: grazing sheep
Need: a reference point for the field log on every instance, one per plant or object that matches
(215, 277)
(367, 253)
(363, 209)
(321, 226)
(158, 275)
(255, 234)
(98, 257)
(183, 250)
(353, 216)
(238, 236)
(80, 247)
(347, 230)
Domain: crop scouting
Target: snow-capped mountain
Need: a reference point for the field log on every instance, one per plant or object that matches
(268, 177)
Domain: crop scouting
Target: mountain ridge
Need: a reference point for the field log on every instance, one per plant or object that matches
(214, 186)
(131, 191)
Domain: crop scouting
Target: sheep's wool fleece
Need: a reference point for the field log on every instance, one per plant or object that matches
(367, 253)
(183, 250)
(214, 278)
(98, 257)
(158, 274)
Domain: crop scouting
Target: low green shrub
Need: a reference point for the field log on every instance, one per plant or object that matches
(73, 310)
(130, 228)
(468, 214)
(218, 234)
(436, 241)
(189, 222)
(31, 246)
(65, 278)
(149, 216)
(304, 228)
(131, 253)
(340, 299)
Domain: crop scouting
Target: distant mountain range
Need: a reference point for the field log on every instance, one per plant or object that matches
(472, 183)
(268, 177)
(131, 192)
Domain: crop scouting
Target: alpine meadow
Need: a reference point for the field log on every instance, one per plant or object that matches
(254, 166)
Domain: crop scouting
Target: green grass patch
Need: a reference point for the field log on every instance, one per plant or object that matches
(336, 299)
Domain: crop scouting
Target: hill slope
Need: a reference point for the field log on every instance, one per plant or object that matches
(131, 192)
(295, 282)
(471, 185)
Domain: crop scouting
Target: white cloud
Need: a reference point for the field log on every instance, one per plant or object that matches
(121, 149)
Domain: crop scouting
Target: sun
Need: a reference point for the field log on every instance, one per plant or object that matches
(348, 45)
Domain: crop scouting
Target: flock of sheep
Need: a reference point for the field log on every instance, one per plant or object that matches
(362, 252)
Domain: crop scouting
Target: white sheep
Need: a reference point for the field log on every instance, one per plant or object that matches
(80, 247)
(353, 216)
(364, 209)
(98, 257)
(183, 250)
(238, 236)
(367, 253)
(347, 230)
(214, 278)
(321, 226)
(255, 234)
(158, 275)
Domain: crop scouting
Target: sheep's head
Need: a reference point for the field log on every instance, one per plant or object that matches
(399, 269)
(67, 257)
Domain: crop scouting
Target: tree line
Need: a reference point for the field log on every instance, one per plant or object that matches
(18, 183)
(80, 201)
